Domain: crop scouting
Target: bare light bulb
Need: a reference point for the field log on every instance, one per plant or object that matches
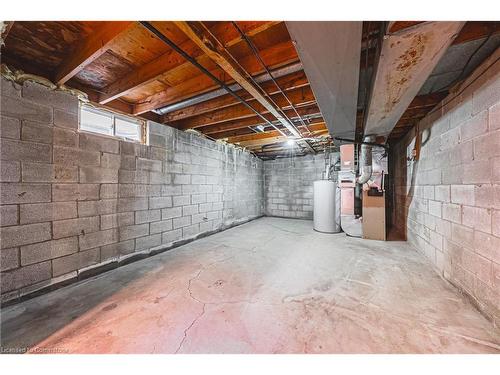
(290, 142)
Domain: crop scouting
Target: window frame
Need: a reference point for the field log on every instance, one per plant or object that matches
(142, 124)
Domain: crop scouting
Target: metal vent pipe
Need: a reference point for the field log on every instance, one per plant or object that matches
(365, 160)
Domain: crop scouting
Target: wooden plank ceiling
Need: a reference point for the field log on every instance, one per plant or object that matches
(124, 66)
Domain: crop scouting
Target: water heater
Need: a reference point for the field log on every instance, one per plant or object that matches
(326, 206)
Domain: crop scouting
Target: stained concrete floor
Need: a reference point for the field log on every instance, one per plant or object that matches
(268, 286)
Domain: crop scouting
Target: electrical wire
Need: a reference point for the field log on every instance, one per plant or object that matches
(184, 54)
(249, 76)
(256, 84)
(257, 55)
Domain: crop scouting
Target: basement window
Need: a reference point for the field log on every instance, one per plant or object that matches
(101, 121)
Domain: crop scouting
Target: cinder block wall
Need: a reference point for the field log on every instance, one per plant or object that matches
(72, 201)
(288, 185)
(448, 202)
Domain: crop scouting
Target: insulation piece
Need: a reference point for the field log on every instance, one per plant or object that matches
(19, 77)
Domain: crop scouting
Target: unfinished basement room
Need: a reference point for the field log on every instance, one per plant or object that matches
(250, 187)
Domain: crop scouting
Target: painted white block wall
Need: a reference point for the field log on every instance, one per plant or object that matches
(74, 201)
(448, 202)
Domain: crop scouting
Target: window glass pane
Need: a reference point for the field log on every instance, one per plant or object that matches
(127, 129)
(96, 121)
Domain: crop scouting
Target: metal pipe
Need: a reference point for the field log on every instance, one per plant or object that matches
(289, 69)
(361, 143)
(365, 160)
(181, 52)
(291, 127)
(257, 54)
(294, 119)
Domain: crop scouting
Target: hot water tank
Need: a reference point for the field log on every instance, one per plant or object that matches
(326, 206)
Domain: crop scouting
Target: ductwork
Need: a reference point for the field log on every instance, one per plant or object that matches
(407, 58)
(365, 160)
(330, 53)
(277, 73)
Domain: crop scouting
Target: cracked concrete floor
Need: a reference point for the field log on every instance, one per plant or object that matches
(269, 286)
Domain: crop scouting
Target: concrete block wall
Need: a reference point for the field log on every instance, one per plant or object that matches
(448, 202)
(72, 201)
(288, 185)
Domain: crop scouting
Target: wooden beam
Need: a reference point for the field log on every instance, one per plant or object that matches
(411, 113)
(6, 27)
(396, 26)
(429, 100)
(418, 109)
(474, 30)
(274, 138)
(265, 155)
(93, 95)
(315, 127)
(400, 133)
(116, 105)
(299, 97)
(279, 55)
(90, 49)
(218, 130)
(233, 133)
(24, 65)
(287, 83)
(171, 60)
(197, 32)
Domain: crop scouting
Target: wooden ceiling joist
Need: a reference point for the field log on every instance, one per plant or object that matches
(278, 55)
(93, 96)
(288, 82)
(218, 130)
(247, 130)
(125, 68)
(418, 109)
(299, 97)
(396, 26)
(233, 133)
(272, 139)
(476, 30)
(170, 60)
(197, 32)
(6, 26)
(315, 127)
(90, 49)
(116, 105)
(429, 100)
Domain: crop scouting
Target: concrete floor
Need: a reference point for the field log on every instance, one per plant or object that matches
(268, 286)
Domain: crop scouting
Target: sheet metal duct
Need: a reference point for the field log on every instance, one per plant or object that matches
(277, 73)
(330, 53)
(407, 59)
(365, 161)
